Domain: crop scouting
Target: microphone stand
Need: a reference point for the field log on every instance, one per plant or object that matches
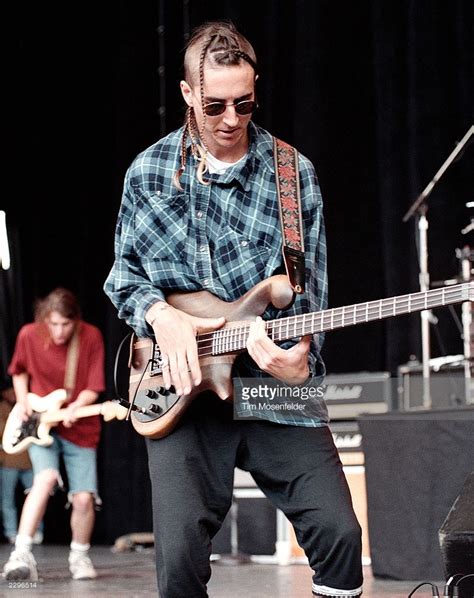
(420, 207)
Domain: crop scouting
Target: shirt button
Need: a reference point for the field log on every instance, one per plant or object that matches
(158, 193)
(199, 214)
(244, 243)
(202, 248)
(205, 282)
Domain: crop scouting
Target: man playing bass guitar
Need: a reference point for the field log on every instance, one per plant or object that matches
(200, 213)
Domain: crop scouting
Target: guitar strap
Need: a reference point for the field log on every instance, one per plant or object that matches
(71, 363)
(288, 191)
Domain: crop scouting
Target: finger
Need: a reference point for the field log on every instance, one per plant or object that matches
(25, 412)
(258, 343)
(208, 324)
(165, 371)
(302, 347)
(254, 331)
(185, 380)
(174, 373)
(194, 366)
(258, 336)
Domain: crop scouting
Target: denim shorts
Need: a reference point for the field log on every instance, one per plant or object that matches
(80, 463)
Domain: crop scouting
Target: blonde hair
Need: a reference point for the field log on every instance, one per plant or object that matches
(220, 44)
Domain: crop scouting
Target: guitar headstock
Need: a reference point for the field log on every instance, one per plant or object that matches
(113, 410)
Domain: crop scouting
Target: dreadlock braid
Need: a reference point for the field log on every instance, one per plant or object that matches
(190, 130)
(202, 147)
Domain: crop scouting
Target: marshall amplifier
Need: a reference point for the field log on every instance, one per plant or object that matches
(349, 395)
(348, 441)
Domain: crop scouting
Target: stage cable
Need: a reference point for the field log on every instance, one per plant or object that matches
(434, 589)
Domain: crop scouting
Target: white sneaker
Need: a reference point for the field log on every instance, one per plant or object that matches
(21, 565)
(81, 566)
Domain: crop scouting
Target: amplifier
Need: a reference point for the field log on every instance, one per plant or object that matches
(447, 385)
(348, 441)
(349, 395)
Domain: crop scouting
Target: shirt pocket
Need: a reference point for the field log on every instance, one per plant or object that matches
(239, 261)
(161, 226)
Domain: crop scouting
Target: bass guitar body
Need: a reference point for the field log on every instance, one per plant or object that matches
(159, 410)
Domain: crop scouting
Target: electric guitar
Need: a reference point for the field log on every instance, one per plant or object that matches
(19, 434)
(156, 410)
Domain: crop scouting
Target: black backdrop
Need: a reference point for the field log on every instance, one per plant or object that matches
(375, 93)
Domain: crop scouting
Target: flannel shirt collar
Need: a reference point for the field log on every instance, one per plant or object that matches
(259, 155)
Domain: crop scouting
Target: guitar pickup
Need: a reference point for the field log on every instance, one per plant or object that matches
(155, 367)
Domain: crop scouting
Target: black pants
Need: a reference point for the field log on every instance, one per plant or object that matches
(297, 468)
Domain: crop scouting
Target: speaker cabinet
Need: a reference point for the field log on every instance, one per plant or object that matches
(249, 528)
(415, 465)
(456, 539)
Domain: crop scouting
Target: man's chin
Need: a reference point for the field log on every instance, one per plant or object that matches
(228, 142)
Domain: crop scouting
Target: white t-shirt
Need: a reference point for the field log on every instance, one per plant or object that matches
(216, 166)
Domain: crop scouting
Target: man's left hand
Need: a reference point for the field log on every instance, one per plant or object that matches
(290, 366)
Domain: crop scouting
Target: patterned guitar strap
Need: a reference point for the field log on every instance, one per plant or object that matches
(71, 363)
(288, 191)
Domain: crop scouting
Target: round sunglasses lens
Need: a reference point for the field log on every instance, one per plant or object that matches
(245, 107)
(214, 109)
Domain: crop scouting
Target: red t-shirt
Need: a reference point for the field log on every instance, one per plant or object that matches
(45, 364)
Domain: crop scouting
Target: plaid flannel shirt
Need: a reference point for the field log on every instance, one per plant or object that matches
(224, 237)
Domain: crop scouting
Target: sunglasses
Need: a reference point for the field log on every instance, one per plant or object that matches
(242, 108)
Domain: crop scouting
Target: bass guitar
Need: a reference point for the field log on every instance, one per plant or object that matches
(19, 433)
(156, 410)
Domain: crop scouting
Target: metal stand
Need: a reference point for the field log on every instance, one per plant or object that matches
(426, 315)
(419, 207)
(466, 256)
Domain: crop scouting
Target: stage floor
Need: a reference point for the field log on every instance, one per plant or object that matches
(132, 574)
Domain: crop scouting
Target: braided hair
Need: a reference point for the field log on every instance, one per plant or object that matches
(221, 44)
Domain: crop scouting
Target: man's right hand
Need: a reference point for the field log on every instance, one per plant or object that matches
(175, 332)
(24, 409)
(20, 386)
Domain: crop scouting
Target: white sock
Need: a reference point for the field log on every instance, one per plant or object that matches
(23, 542)
(78, 547)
